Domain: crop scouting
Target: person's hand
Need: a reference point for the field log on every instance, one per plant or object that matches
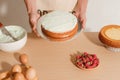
(80, 11)
(33, 18)
(1, 24)
(81, 17)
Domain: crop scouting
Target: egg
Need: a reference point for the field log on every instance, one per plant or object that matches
(9, 78)
(19, 76)
(23, 58)
(36, 78)
(3, 75)
(17, 68)
(30, 73)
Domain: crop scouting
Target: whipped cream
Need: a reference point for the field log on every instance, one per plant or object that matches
(17, 32)
(59, 21)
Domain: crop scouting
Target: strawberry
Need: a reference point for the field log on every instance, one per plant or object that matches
(87, 59)
(90, 57)
(94, 56)
(96, 61)
(84, 60)
(78, 56)
(85, 53)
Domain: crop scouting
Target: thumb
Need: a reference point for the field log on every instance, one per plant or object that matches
(83, 24)
(35, 30)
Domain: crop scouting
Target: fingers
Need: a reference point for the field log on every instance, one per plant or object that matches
(81, 18)
(35, 30)
(33, 21)
(83, 22)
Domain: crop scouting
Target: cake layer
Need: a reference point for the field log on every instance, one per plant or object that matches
(60, 35)
(60, 39)
(110, 35)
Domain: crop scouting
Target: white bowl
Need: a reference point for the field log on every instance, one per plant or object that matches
(7, 44)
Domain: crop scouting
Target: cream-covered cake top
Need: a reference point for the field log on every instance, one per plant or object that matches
(113, 33)
(59, 21)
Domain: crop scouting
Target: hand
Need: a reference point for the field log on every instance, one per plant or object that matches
(81, 18)
(33, 18)
(1, 24)
(80, 11)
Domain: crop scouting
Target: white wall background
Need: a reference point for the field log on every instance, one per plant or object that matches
(13, 12)
(99, 13)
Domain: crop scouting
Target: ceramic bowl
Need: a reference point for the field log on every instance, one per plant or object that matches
(7, 44)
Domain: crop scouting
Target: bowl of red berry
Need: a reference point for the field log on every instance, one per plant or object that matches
(86, 61)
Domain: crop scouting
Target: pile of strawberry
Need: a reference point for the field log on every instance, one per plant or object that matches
(87, 61)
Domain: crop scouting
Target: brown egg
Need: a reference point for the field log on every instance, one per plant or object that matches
(23, 58)
(17, 68)
(36, 78)
(19, 76)
(9, 78)
(3, 75)
(24, 68)
(30, 73)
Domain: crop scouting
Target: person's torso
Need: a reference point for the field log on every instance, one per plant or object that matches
(66, 5)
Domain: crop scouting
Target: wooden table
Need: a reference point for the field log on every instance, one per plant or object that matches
(52, 60)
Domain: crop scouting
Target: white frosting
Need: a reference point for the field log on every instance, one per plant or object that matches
(16, 31)
(113, 33)
(59, 21)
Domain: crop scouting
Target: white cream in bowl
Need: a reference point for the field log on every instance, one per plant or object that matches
(8, 44)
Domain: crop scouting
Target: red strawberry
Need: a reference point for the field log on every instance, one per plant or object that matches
(85, 53)
(96, 61)
(78, 56)
(87, 59)
(90, 57)
(90, 67)
(94, 56)
(84, 60)
(87, 64)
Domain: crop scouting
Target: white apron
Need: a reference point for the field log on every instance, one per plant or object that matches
(66, 5)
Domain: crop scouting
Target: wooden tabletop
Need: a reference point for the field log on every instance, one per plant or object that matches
(53, 60)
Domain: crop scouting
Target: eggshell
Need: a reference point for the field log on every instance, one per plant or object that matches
(36, 78)
(23, 58)
(19, 76)
(30, 73)
(9, 78)
(17, 68)
(3, 75)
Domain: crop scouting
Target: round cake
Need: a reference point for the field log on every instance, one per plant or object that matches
(59, 25)
(110, 36)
